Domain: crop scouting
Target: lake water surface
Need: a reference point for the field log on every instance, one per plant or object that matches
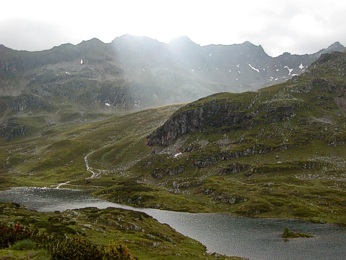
(221, 233)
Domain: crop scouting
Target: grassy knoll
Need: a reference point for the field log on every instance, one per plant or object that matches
(142, 235)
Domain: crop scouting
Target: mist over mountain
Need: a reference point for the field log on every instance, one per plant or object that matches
(74, 82)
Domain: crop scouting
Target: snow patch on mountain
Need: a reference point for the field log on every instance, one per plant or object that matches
(289, 70)
(253, 68)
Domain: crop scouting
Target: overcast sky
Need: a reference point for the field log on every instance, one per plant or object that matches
(295, 26)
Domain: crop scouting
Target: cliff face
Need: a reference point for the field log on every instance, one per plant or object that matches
(213, 116)
(11, 129)
(224, 113)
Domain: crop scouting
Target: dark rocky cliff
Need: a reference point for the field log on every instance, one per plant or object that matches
(216, 115)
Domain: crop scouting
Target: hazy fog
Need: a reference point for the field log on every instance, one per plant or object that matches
(295, 26)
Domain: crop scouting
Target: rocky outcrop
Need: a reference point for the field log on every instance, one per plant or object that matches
(22, 103)
(211, 116)
(224, 198)
(223, 115)
(12, 129)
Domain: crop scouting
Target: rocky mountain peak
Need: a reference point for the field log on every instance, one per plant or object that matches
(94, 43)
(336, 46)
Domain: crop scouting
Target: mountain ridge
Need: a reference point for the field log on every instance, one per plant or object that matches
(132, 73)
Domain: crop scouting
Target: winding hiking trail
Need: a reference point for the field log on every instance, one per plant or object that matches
(62, 184)
(94, 173)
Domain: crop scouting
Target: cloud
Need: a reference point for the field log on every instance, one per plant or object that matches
(28, 34)
(299, 27)
(295, 26)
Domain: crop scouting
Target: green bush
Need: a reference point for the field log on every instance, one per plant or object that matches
(26, 244)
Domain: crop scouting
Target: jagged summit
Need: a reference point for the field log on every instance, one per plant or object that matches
(336, 46)
(93, 41)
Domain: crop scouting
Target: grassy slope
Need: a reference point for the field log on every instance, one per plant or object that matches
(273, 184)
(143, 235)
(291, 161)
(57, 154)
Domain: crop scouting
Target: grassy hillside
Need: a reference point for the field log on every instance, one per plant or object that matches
(57, 154)
(279, 152)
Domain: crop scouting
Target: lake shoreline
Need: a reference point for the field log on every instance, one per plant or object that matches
(133, 207)
(222, 233)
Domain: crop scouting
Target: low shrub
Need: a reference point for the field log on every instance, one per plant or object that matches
(60, 246)
(26, 244)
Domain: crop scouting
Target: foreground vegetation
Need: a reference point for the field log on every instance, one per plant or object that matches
(19, 237)
(91, 233)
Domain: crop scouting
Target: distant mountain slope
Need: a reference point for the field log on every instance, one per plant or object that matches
(318, 96)
(277, 152)
(71, 82)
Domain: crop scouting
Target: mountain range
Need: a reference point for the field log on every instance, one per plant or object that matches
(78, 82)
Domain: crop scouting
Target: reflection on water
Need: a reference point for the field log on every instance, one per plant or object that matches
(221, 233)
